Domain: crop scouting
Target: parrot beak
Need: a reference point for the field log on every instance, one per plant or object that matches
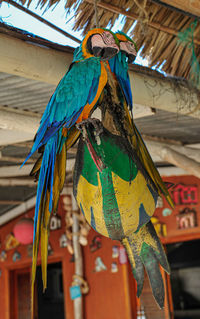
(130, 57)
(103, 46)
(128, 49)
(104, 53)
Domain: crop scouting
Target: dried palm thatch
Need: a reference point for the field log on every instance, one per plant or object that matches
(155, 31)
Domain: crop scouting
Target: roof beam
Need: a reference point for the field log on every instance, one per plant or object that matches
(192, 7)
(25, 124)
(8, 137)
(48, 65)
(16, 171)
(32, 61)
(19, 121)
(183, 157)
(13, 213)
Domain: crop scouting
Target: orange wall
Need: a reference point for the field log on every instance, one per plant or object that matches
(174, 233)
(111, 295)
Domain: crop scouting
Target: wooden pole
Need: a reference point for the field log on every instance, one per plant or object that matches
(51, 25)
(78, 302)
(181, 161)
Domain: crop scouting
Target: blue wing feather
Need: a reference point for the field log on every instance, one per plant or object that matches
(77, 88)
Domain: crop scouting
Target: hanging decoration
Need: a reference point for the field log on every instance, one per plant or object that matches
(23, 231)
(11, 242)
(96, 244)
(99, 265)
(55, 222)
(3, 256)
(187, 218)
(114, 267)
(116, 183)
(16, 256)
(166, 212)
(115, 251)
(84, 228)
(65, 242)
(159, 203)
(122, 256)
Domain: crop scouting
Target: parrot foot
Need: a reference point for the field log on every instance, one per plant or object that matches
(98, 128)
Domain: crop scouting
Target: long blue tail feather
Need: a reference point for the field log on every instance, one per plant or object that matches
(46, 176)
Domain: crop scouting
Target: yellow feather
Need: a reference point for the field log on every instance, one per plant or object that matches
(42, 232)
(36, 166)
(44, 239)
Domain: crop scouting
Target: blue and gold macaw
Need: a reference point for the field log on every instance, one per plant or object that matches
(73, 101)
(116, 183)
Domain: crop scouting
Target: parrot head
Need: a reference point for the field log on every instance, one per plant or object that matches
(100, 43)
(127, 46)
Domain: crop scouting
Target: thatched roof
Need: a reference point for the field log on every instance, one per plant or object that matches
(156, 29)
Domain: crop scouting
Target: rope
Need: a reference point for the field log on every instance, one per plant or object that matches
(142, 8)
(96, 13)
(76, 279)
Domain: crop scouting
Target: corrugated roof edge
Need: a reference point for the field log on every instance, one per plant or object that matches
(30, 37)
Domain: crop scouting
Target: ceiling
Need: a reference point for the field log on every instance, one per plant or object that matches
(166, 32)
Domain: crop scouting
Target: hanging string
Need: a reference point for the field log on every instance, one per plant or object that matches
(96, 14)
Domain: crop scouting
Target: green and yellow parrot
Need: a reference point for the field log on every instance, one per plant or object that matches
(116, 183)
(72, 102)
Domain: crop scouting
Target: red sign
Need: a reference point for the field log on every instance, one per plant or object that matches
(185, 194)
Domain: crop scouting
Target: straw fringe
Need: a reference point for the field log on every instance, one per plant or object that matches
(158, 46)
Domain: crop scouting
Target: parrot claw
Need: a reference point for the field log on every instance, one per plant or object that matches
(98, 128)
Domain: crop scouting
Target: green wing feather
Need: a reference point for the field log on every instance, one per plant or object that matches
(145, 250)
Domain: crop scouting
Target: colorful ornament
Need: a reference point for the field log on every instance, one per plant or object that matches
(55, 222)
(23, 231)
(166, 212)
(123, 259)
(96, 244)
(114, 267)
(115, 251)
(187, 218)
(63, 241)
(75, 292)
(11, 242)
(16, 256)
(99, 265)
(3, 255)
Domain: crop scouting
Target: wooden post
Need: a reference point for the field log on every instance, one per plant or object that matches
(78, 302)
